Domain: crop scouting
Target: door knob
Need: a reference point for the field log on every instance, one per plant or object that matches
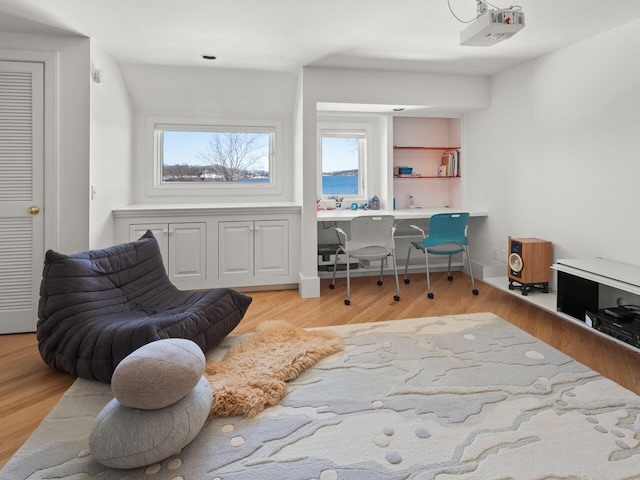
(33, 210)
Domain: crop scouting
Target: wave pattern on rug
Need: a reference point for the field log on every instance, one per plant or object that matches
(460, 397)
(252, 375)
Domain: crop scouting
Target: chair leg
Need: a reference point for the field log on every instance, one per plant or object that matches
(449, 276)
(426, 261)
(395, 271)
(347, 300)
(332, 285)
(381, 271)
(406, 265)
(473, 283)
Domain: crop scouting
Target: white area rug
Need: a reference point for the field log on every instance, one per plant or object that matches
(456, 397)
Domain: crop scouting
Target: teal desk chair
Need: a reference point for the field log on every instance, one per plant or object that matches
(371, 239)
(447, 236)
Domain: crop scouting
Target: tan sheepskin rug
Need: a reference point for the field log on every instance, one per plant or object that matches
(253, 373)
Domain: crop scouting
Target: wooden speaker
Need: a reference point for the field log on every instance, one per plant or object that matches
(529, 260)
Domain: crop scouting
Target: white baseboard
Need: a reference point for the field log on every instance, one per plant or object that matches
(489, 271)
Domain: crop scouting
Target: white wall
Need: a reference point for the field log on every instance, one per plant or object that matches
(67, 166)
(211, 94)
(112, 122)
(556, 154)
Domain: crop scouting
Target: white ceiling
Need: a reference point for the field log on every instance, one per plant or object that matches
(286, 35)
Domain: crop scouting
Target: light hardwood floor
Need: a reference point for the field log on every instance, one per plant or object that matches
(29, 389)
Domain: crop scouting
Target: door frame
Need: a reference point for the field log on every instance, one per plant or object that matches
(50, 184)
(50, 154)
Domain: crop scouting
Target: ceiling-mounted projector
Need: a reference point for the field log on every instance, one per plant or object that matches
(492, 26)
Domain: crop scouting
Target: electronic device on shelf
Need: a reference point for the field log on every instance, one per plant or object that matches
(626, 330)
(529, 264)
(621, 313)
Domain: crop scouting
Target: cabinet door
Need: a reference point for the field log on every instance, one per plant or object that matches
(160, 231)
(187, 251)
(235, 250)
(271, 248)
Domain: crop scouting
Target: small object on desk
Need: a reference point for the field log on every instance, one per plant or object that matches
(354, 206)
(374, 203)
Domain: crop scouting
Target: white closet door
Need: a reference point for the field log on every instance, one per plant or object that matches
(21, 194)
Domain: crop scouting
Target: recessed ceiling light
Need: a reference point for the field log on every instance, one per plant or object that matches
(208, 57)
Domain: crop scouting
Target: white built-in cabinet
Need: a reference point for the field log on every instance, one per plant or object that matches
(183, 247)
(253, 249)
(227, 246)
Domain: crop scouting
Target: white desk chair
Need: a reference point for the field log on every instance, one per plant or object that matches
(371, 239)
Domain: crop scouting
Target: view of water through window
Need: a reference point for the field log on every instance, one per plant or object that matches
(340, 165)
(206, 156)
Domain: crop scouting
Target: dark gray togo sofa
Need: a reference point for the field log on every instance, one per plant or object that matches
(96, 307)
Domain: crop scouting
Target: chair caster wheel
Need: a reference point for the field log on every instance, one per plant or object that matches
(511, 287)
(474, 291)
(430, 295)
(407, 281)
(450, 278)
(332, 286)
(396, 298)
(379, 282)
(347, 302)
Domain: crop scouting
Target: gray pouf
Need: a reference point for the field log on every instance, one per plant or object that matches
(158, 374)
(124, 437)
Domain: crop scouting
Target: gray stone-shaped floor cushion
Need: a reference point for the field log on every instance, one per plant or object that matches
(97, 307)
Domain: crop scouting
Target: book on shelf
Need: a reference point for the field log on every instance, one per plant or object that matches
(450, 166)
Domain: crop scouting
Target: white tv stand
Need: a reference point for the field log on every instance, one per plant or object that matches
(617, 275)
(579, 282)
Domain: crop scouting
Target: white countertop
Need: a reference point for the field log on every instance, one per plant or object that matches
(191, 209)
(400, 214)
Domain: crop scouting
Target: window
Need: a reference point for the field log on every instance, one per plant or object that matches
(214, 155)
(343, 157)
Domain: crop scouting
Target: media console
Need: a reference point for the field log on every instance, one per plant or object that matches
(588, 286)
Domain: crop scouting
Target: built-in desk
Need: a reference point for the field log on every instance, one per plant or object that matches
(344, 215)
(327, 239)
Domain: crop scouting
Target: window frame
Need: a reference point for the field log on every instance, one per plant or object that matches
(156, 187)
(349, 129)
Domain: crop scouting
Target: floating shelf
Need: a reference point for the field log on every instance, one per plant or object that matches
(401, 147)
(427, 176)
